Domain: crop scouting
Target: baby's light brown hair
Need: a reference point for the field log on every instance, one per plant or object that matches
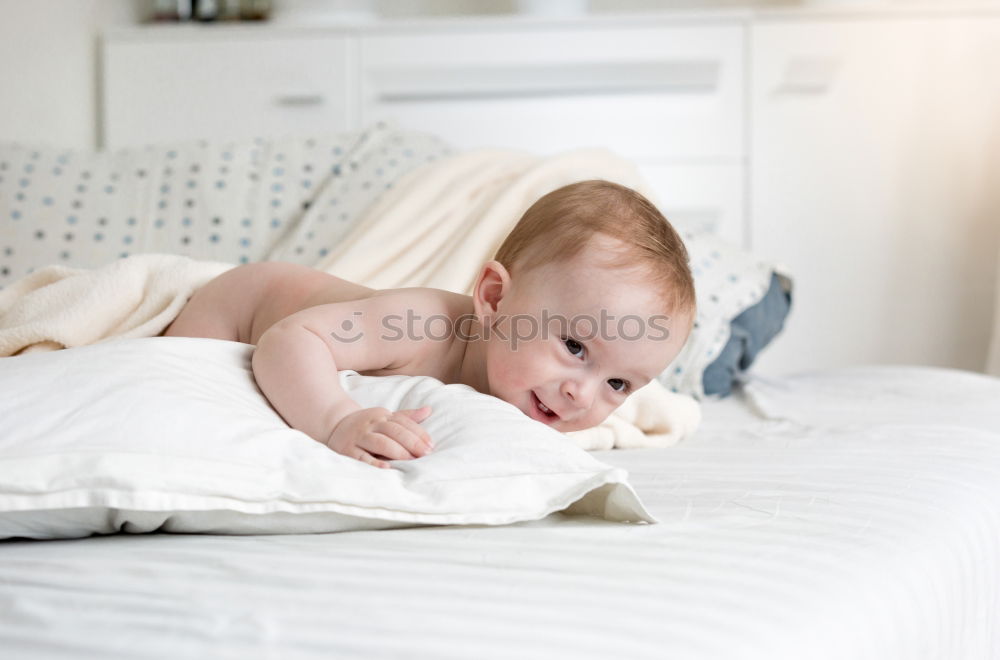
(560, 224)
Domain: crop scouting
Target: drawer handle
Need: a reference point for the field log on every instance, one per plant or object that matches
(808, 75)
(472, 83)
(299, 100)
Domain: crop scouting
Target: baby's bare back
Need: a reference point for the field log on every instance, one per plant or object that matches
(245, 302)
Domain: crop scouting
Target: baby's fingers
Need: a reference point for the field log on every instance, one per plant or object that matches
(416, 414)
(365, 457)
(414, 428)
(401, 431)
(385, 441)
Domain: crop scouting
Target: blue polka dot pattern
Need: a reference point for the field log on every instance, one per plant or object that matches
(727, 281)
(236, 201)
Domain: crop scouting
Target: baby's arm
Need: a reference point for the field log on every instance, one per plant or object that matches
(295, 365)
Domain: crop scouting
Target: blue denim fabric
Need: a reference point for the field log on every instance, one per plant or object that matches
(751, 331)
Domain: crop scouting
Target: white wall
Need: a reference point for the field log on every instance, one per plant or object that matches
(48, 62)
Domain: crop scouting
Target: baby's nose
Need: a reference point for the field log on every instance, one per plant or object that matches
(580, 392)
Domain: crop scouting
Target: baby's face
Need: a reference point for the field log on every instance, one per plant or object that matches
(575, 339)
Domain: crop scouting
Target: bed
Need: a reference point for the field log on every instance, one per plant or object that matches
(838, 514)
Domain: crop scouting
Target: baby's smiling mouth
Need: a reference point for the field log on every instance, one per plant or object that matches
(542, 412)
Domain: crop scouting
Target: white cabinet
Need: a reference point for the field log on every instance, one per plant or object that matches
(652, 92)
(229, 84)
(668, 97)
(874, 179)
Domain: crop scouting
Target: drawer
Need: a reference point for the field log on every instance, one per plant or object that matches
(225, 87)
(674, 91)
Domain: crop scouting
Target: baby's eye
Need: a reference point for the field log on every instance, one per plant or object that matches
(574, 347)
(619, 385)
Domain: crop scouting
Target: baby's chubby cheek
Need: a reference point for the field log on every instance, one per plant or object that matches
(507, 376)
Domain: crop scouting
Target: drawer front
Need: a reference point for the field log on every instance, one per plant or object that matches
(674, 92)
(225, 88)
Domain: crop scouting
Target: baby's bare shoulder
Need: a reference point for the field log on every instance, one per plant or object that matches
(425, 301)
(390, 331)
(420, 325)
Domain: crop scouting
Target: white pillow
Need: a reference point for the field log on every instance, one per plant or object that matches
(172, 434)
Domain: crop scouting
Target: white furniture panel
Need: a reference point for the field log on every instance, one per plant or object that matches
(645, 91)
(701, 197)
(225, 85)
(871, 144)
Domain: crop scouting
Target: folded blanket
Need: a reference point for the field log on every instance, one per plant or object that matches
(59, 307)
(439, 224)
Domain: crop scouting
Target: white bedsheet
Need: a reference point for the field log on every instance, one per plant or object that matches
(861, 519)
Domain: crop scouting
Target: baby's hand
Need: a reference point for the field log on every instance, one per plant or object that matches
(373, 434)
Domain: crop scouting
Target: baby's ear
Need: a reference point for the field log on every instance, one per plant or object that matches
(491, 286)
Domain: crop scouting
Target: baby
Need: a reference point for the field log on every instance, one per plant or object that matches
(588, 299)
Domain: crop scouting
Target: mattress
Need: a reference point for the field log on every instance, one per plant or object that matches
(841, 514)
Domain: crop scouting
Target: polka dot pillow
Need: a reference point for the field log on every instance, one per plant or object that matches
(742, 304)
(236, 202)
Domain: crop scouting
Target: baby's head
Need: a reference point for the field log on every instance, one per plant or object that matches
(588, 299)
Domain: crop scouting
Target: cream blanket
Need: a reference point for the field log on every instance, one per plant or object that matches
(435, 228)
(59, 307)
(439, 224)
